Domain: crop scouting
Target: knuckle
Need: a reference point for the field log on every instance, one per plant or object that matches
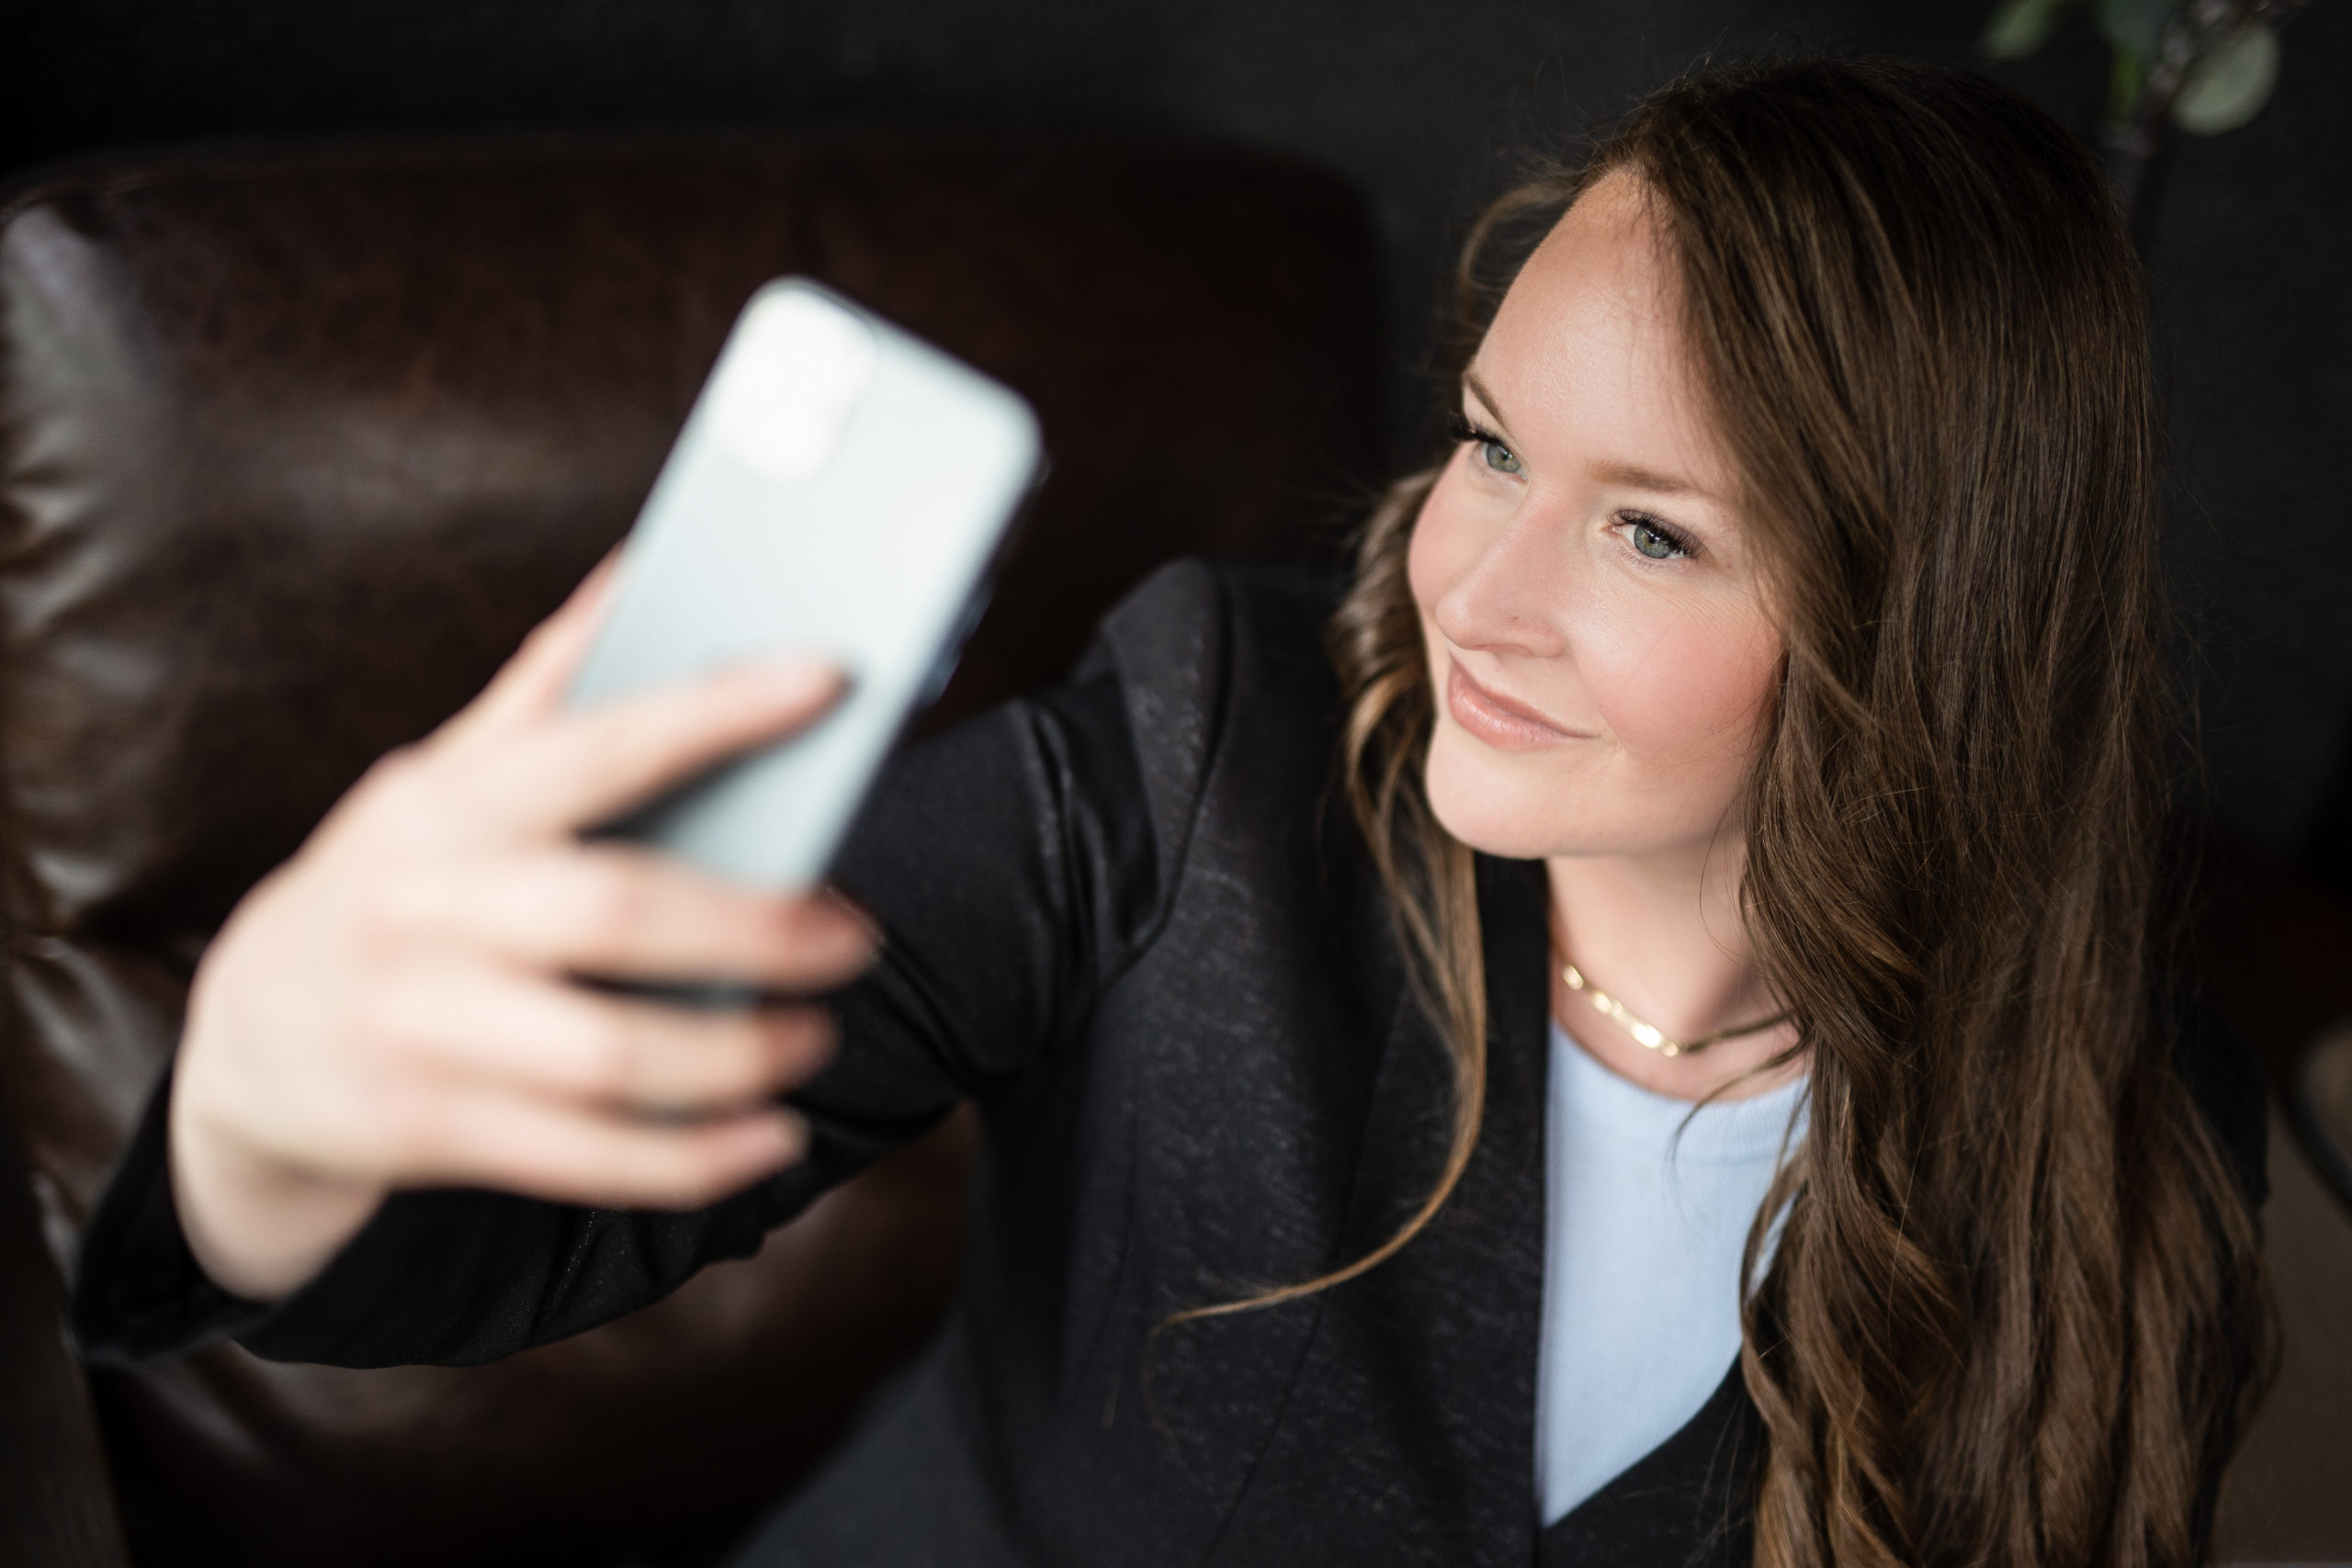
(406, 800)
(613, 1062)
(415, 1125)
(399, 909)
(751, 1045)
(611, 904)
(397, 785)
(396, 770)
(383, 1021)
(719, 1061)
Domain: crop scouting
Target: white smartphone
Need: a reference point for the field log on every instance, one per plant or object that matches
(841, 489)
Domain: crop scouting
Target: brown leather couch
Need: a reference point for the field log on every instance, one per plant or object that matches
(294, 444)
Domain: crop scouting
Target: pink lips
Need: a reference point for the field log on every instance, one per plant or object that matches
(1496, 720)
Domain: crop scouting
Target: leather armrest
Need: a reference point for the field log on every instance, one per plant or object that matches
(57, 1505)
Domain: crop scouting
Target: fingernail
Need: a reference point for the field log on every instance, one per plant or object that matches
(788, 1046)
(842, 903)
(791, 1137)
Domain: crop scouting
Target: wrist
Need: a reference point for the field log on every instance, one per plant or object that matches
(260, 1227)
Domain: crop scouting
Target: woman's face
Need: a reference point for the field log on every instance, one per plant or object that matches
(1600, 641)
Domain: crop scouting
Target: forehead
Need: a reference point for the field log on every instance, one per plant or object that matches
(1608, 237)
(1589, 347)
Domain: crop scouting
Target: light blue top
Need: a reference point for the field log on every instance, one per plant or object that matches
(1642, 1234)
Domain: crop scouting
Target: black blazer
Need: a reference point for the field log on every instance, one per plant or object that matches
(1130, 920)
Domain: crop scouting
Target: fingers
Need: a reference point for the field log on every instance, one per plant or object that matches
(554, 1041)
(532, 681)
(538, 769)
(619, 912)
(517, 1144)
(594, 765)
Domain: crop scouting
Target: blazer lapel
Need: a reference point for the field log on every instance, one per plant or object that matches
(1683, 1505)
(1415, 1399)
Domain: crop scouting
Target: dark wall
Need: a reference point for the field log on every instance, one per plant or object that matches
(1423, 103)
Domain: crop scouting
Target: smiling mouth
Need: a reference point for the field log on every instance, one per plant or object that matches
(1495, 718)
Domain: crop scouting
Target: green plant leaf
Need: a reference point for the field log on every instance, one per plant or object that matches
(2017, 27)
(2230, 83)
(2136, 25)
(2126, 74)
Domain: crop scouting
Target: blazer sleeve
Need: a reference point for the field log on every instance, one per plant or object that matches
(1017, 864)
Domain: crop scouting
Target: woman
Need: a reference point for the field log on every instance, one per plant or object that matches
(1697, 1089)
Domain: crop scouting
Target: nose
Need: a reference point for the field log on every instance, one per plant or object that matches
(1511, 596)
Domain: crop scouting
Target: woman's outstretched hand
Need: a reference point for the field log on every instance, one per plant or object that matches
(397, 1005)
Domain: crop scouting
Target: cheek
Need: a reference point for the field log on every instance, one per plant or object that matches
(1678, 693)
(1682, 693)
(1444, 542)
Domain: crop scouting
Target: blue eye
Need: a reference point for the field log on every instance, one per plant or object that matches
(1497, 456)
(1500, 457)
(1653, 541)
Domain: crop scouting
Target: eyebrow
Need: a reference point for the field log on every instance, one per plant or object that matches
(1478, 389)
(1634, 478)
(1630, 475)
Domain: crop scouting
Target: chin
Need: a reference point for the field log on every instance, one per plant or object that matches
(1536, 805)
(1497, 807)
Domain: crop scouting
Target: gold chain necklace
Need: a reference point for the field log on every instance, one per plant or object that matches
(1650, 1035)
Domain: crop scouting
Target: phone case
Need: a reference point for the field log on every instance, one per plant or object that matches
(841, 488)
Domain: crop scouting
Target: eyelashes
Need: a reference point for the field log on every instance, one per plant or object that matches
(1499, 455)
(1645, 533)
(1651, 539)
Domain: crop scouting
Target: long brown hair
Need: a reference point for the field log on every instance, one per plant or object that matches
(2015, 1314)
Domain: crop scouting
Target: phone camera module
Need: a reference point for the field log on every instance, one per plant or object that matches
(792, 374)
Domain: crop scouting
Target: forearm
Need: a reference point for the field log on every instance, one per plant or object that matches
(452, 1276)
